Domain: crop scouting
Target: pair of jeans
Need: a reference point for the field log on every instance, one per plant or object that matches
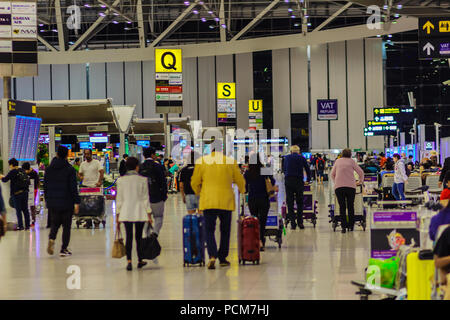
(138, 228)
(346, 199)
(61, 217)
(294, 191)
(211, 216)
(158, 215)
(259, 207)
(21, 205)
(398, 191)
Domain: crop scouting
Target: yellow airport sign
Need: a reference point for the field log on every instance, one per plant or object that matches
(428, 26)
(226, 90)
(255, 106)
(444, 26)
(168, 60)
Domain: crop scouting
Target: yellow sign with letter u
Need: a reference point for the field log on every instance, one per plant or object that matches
(168, 60)
(255, 106)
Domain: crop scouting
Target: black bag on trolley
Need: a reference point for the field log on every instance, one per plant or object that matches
(92, 206)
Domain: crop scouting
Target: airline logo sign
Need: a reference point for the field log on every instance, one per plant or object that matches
(24, 20)
(5, 7)
(5, 19)
(24, 32)
(168, 61)
(434, 38)
(226, 90)
(24, 7)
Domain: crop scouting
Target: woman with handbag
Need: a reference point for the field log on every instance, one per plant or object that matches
(260, 188)
(133, 208)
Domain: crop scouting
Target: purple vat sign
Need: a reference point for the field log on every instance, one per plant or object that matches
(327, 109)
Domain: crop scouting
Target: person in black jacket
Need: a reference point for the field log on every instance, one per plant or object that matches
(444, 170)
(19, 192)
(294, 166)
(62, 198)
(157, 186)
(122, 166)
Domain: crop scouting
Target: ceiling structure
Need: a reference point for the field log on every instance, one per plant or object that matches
(79, 25)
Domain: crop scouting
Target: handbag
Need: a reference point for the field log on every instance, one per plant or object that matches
(269, 187)
(150, 247)
(118, 249)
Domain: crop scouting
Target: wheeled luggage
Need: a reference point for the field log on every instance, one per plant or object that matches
(248, 239)
(92, 208)
(274, 225)
(194, 239)
(420, 274)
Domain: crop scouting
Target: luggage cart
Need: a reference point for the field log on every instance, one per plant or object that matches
(275, 225)
(360, 211)
(92, 208)
(309, 207)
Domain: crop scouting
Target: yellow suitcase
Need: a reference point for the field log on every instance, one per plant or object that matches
(419, 277)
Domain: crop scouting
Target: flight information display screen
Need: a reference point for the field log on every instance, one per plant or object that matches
(25, 138)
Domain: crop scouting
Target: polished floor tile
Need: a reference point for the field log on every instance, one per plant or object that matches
(312, 264)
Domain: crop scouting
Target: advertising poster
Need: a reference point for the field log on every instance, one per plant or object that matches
(384, 243)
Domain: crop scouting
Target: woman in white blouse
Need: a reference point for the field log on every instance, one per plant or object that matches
(133, 207)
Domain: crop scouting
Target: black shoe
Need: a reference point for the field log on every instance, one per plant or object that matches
(65, 253)
(224, 263)
(20, 229)
(293, 226)
(343, 230)
(350, 229)
(301, 226)
(129, 266)
(262, 248)
(141, 264)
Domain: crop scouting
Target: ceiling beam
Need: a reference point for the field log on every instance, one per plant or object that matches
(59, 24)
(332, 17)
(93, 26)
(255, 20)
(45, 43)
(174, 25)
(230, 47)
(223, 33)
(140, 18)
(114, 10)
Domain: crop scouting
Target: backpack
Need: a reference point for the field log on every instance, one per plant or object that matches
(22, 180)
(321, 164)
(148, 172)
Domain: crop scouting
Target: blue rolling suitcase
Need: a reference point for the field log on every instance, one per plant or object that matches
(194, 239)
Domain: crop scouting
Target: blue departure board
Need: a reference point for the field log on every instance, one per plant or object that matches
(25, 138)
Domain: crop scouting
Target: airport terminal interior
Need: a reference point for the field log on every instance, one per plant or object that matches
(225, 150)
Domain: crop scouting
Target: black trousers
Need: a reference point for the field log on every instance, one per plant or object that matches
(294, 192)
(259, 207)
(211, 216)
(21, 205)
(346, 199)
(61, 217)
(138, 228)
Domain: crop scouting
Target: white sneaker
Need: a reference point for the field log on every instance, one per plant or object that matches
(155, 261)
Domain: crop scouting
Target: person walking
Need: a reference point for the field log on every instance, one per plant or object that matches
(258, 198)
(91, 171)
(3, 221)
(62, 199)
(343, 176)
(213, 177)
(320, 169)
(400, 178)
(133, 208)
(122, 166)
(34, 178)
(294, 167)
(444, 171)
(155, 173)
(188, 195)
(19, 192)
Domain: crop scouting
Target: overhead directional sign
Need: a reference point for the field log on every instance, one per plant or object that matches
(380, 130)
(168, 60)
(380, 123)
(434, 38)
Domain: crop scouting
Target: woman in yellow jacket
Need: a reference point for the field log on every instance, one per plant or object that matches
(212, 180)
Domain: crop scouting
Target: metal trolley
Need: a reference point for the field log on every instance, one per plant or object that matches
(92, 208)
(360, 211)
(275, 225)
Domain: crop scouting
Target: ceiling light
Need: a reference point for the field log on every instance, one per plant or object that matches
(293, 17)
(296, 24)
(385, 7)
(187, 3)
(290, 9)
(195, 11)
(87, 5)
(216, 19)
(102, 14)
(115, 22)
(223, 26)
(399, 6)
(203, 19)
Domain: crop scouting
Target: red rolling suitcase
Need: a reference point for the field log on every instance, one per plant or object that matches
(248, 239)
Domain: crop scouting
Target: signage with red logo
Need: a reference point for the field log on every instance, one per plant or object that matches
(171, 89)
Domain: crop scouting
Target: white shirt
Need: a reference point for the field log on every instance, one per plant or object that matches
(132, 202)
(91, 172)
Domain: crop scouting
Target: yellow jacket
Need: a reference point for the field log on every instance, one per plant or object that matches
(213, 177)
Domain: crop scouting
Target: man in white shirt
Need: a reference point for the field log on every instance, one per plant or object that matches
(91, 171)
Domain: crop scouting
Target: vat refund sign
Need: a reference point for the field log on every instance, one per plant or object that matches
(327, 109)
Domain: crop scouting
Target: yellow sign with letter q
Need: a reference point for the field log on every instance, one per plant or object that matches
(226, 90)
(168, 60)
(255, 106)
